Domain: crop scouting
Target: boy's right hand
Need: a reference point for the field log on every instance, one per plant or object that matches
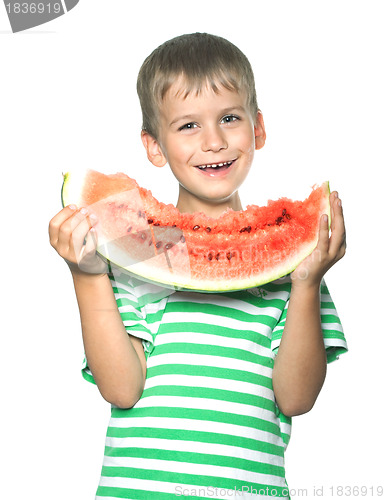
(72, 234)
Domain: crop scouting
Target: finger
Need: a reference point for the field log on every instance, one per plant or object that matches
(81, 224)
(56, 222)
(333, 197)
(66, 229)
(72, 233)
(323, 235)
(338, 236)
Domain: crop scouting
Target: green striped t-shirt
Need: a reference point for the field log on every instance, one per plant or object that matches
(207, 424)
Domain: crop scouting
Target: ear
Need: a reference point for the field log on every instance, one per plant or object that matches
(259, 131)
(154, 151)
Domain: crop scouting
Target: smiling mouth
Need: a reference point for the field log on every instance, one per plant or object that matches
(216, 166)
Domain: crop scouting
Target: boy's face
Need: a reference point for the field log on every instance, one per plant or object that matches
(209, 141)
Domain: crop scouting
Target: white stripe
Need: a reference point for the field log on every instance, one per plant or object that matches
(209, 339)
(209, 382)
(185, 317)
(195, 447)
(202, 297)
(127, 286)
(331, 326)
(188, 468)
(205, 404)
(149, 329)
(206, 360)
(335, 342)
(237, 304)
(278, 294)
(182, 490)
(196, 425)
(128, 308)
(154, 327)
(285, 428)
(154, 307)
(325, 297)
(329, 310)
(126, 296)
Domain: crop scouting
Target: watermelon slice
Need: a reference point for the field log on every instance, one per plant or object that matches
(192, 251)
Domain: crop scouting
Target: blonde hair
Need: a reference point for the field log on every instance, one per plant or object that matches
(200, 59)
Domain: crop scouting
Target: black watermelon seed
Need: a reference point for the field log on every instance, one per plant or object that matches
(210, 256)
(278, 220)
(129, 229)
(229, 255)
(182, 239)
(195, 228)
(143, 236)
(217, 256)
(245, 229)
(156, 224)
(159, 244)
(284, 212)
(168, 246)
(288, 216)
(150, 221)
(208, 229)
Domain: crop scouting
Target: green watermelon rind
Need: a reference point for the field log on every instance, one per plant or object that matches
(72, 187)
(73, 183)
(225, 286)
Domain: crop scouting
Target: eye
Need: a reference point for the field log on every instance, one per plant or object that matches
(188, 126)
(230, 118)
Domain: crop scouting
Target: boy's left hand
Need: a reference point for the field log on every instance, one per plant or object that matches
(328, 250)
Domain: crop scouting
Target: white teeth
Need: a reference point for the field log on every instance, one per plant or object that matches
(215, 165)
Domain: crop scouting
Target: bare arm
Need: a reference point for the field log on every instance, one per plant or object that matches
(116, 360)
(300, 366)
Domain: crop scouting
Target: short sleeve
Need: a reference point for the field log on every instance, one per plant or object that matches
(141, 306)
(334, 338)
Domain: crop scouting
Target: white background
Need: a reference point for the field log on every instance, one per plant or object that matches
(68, 99)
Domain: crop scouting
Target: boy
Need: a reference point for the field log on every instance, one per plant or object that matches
(202, 396)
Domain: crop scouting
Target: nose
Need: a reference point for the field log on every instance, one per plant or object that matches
(214, 139)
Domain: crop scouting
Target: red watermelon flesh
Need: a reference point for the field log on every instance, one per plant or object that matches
(192, 251)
